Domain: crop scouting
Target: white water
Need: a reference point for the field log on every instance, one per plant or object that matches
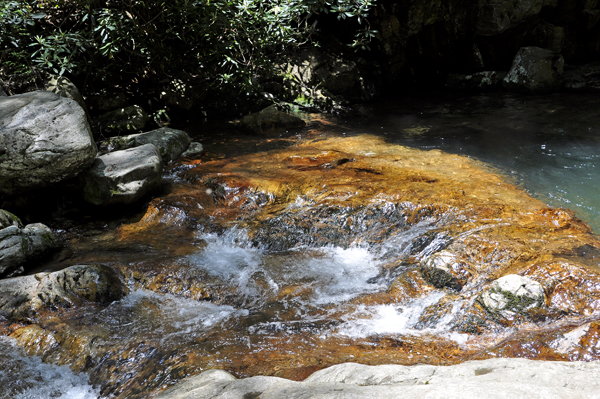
(27, 377)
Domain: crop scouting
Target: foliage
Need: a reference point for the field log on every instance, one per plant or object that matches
(229, 44)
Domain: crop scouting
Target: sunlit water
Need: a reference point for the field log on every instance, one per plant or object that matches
(26, 377)
(548, 144)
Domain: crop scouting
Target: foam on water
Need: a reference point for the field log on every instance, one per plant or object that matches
(27, 377)
(165, 315)
(394, 320)
(334, 274)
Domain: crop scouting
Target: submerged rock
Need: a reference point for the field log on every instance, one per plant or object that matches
(22, 298)
(493, 378)
(270, 119)
(44, 139)
(535, 70)
(171, 143)
(123, 177)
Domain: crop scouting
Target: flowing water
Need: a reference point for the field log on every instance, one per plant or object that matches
(312, 282)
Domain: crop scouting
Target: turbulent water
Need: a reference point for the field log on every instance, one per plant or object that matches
(275, 296)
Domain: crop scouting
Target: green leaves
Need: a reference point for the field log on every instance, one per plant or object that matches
(229, 44)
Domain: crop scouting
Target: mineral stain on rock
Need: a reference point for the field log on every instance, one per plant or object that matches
(329, 251)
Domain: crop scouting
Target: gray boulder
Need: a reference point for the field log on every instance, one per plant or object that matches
(193, 150)
(492, 378)
(268, 120)
(44, 139)
(512, 294)
(123, 177)
(22, 297)
(535, 70)
(171, 143)
(123, 120)
(20, 245)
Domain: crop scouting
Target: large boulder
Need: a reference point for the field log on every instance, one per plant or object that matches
(492, 378)
(123, 177)
(22, 297)
(44, 139)
(535, 70)
(268, 120)
(171, 143)
(19, 245)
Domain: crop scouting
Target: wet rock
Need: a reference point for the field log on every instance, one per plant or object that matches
(194, 149)
(270, 119)
(123, 120)
(21, 298)
(107, 102)
(123, 177)
(442, 271)
(480, 81)
(492, 378)
(171, 143)
(44, 139)
(495, 17)
(535, 70)
(21, 245)
(512, 294)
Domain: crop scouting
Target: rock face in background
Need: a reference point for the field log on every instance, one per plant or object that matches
(493, 378)
(171, 143)
(421, 42)
(123, 177)
(19, 245)
(535, 70)
(44, 139)
(22, 297)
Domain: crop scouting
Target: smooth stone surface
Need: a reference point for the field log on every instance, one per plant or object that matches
(535, 70)
(65, 88)
(269, 119)
(44, 139)
(122, 120)
(8, 219)
(171, 143)
(123, 177)
(492, 378)
(22, 297)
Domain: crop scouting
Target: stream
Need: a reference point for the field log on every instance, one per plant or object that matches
(258, 268)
